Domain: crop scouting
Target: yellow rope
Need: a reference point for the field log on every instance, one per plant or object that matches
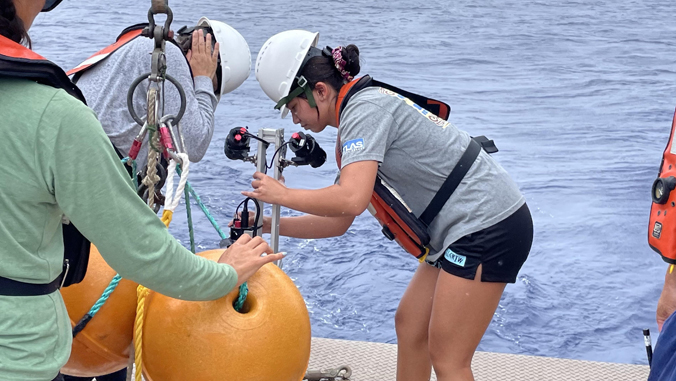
(142, 293)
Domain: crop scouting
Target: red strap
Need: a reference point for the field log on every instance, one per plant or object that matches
(124, 39)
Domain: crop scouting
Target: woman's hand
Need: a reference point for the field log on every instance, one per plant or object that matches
(266, 189)
(202, 60)
(245, 256)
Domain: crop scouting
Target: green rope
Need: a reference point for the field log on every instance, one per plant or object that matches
(133, 173)
(190, 227)
(206, 212)
(188, 188)
(111, 287)
(133, 170)
(155, 145)
(243, 292)
(97, 306)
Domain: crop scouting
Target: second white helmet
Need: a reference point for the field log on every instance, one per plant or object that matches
(234, 53)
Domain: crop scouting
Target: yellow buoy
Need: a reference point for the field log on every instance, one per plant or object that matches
(205, 341)
(104, 345)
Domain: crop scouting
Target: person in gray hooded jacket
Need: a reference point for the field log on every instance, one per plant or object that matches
(197, 61)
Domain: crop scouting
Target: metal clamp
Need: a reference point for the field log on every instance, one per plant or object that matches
(329, 374)
(283, 163)
(158, 8)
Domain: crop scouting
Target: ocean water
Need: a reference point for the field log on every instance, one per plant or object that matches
(578, 95)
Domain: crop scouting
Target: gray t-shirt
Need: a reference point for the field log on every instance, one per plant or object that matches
(105, 87)
(417, 151)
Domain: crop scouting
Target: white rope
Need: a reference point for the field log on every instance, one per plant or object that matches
(172, 198)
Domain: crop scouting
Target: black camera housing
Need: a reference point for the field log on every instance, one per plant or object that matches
(307, 150)
(237, 144)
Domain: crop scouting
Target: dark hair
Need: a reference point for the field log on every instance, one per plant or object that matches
(11, 25)
(323, 69)
(183, 42)
(184, 37)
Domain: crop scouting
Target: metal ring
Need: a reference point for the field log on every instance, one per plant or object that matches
(347, 369)
(181, 93)
(130, 98)
(134, 85)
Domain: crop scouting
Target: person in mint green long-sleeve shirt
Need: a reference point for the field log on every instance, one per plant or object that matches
(45, 133)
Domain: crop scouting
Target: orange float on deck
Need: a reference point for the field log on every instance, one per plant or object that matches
(206, 341)
(104, 345)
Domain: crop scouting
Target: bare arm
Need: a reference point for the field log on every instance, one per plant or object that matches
(348, 198)
(310, 226)
(307, 226)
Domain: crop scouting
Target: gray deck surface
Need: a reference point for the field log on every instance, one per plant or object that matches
(377, 361)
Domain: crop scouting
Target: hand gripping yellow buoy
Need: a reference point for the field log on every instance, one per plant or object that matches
(208, 341)
(103, 346)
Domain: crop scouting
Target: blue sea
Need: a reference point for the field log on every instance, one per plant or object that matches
(578, 95)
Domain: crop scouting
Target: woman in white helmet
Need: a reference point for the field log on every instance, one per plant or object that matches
(208, 60)
(480, 237)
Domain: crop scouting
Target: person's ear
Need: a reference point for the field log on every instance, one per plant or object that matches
(322, 90)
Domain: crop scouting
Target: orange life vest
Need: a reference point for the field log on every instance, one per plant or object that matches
(397, 221)
(17, 61)
(125, 37)
(662, 227)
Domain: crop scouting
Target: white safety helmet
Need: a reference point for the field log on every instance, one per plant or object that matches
(234, 53)
(279, 62)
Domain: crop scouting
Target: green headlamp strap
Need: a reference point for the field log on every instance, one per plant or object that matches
(303, 87)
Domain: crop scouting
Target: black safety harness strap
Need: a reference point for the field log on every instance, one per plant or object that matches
(9, 287)
(45, 73)
(451, 182)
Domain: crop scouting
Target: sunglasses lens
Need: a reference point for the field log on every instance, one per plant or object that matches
(50, 4)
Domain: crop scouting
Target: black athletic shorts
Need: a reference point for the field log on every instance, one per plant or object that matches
(500, 249)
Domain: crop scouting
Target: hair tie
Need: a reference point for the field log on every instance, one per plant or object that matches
(340, 63)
